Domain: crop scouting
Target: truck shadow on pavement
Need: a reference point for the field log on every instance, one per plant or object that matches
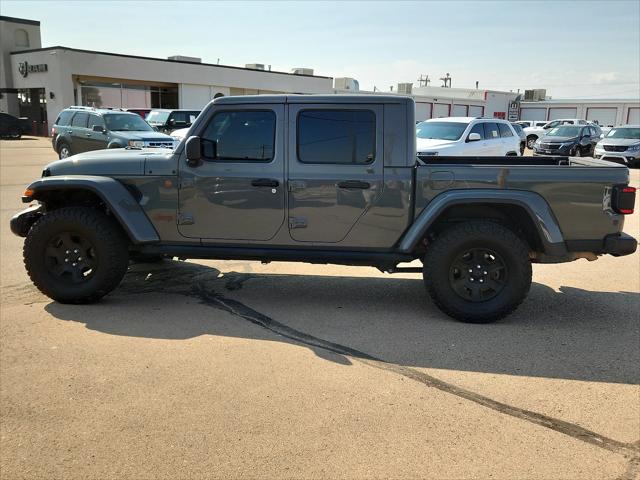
(571, 334)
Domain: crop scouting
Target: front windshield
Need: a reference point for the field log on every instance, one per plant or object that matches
(126, 122)
(440, 130)
(155, 117)
(564, 131)
(633, 133)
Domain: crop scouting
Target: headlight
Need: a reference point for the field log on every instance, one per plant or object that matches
(633, 148)
(537, 143)
(136, 143)
(565, 145)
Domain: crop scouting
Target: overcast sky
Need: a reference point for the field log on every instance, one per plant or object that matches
(572, 48)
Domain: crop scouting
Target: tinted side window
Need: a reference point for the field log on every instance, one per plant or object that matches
(80, 119)
(505, 131)
(479, 129)
(491, 131)
(585, 132)
(95, 120)
(337, 136)
(244, 135)
(64, 117)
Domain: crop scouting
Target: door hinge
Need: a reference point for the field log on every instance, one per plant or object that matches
(185, 219)
(297, 222)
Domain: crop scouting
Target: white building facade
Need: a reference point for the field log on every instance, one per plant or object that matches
(606, 112)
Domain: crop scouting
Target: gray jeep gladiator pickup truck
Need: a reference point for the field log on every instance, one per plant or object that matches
(322, 179)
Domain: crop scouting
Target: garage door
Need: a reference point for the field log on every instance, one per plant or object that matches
(605, 117)
(556, 113)
(459, 110)
(633, 117)
(440, 110)
(423, 111)
(475, 111)
(533, 114)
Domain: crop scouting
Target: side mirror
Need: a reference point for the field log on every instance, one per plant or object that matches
(193, 151)
(98, 128)
(171, 122)
(474, 137)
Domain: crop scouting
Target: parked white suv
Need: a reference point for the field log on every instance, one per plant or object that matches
(466, 136)
(533, 133)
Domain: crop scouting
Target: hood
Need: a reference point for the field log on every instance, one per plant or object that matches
(548, 139)
(111, 162)
(428, 143)
(141, 135)
(619, 141)
(180, 133)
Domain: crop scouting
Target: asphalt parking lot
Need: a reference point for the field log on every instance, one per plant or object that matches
(242, 370)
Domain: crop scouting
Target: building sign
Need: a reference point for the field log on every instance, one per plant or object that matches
(25, 69)
(514, 108)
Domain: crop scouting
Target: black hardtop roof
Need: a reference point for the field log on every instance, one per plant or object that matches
(176, 110)
(346, 99)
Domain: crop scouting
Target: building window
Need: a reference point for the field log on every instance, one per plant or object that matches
(337, 136)
(21, 38)
(122, 95)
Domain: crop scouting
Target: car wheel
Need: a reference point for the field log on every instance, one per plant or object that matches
(530, 141)
(478, 271)
(76, 254)
(64, 151)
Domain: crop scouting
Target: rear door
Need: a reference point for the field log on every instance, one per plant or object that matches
(335, 168)
(238, 191)
(77, 132)
(493, 139)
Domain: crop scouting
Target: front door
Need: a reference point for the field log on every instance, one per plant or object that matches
(238, 191)
(95, 140)
(335, 168)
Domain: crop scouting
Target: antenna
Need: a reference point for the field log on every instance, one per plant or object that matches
(446, 81)
(424, 79)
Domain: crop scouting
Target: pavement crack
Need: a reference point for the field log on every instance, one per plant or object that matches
(629, 450)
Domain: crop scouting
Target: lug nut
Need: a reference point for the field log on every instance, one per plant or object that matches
(470, 271)
(485, 272)
(66, 259)
(80, 259)
(73, 265)
(481, 280)
(479, 266)
(67, 251)
(471, 279)
(75, 251)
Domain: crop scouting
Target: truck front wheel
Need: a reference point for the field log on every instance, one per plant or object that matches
(76, 254)
(477, 272)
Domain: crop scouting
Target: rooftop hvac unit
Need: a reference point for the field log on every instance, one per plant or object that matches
(184, 58)
(405, 88)
(346, 83)
(536, 95)
(302, 71)
(255, 66)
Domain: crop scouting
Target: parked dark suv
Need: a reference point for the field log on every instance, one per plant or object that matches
(571, 140)
(80, 129)
(12, 127)
(166, 121)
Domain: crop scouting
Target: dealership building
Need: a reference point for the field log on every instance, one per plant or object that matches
(37, 83)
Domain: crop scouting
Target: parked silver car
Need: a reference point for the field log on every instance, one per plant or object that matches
(620, 144)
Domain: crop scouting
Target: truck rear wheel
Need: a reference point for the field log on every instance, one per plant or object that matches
(477, 272)
(76, 254)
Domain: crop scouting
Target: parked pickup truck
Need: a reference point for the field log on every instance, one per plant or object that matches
(322, 179)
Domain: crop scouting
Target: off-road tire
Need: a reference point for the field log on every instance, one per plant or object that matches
(104, 234)
(440, 257)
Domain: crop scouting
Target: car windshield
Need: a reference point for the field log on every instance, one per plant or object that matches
(441, 130)
(633, 133)
(126, 122)
(157, 118)
(565, 131)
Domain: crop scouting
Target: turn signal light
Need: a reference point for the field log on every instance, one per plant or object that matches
(27, 196)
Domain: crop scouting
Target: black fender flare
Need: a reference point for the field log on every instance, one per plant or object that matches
(535, 205)
(114, 194)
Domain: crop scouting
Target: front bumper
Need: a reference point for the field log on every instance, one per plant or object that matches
(21, 222)
(562, 152)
